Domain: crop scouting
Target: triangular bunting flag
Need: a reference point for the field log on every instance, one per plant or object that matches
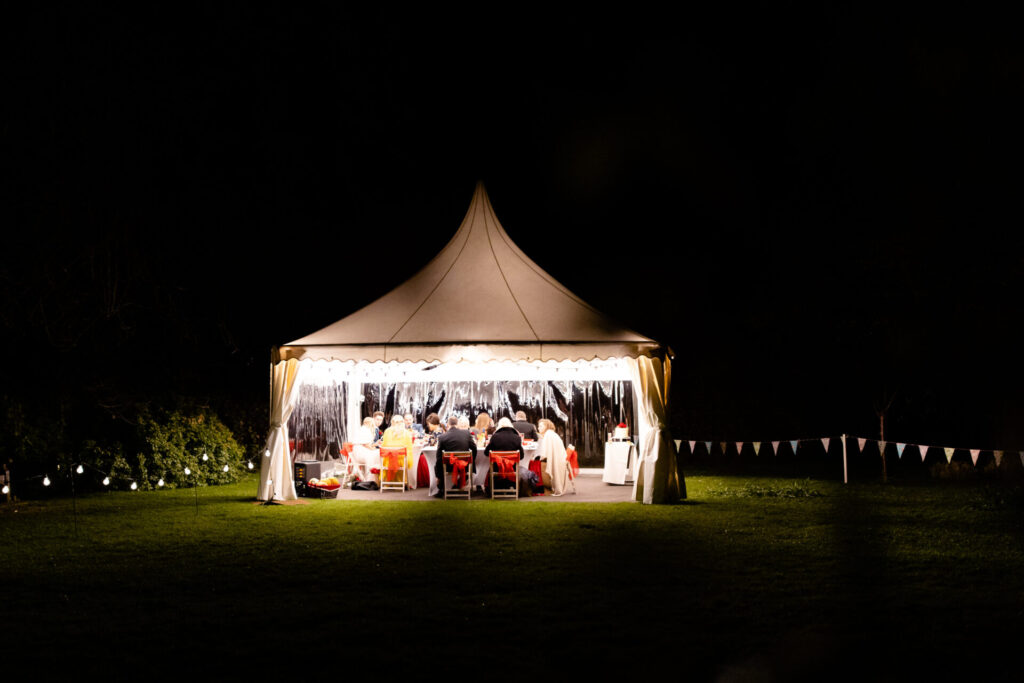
(793, 444)
(692, 445)
(757, 447)
(998, 455)
(949, 454)
(860, 444)
(924, 451)
(974, 456)
(825, 442)
(881, 448)
(724, 446)
(899, 449)
(739, 447)
(679, 444)
(707, 447)
(775, 447)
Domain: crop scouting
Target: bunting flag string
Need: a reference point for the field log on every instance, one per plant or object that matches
(862, 442)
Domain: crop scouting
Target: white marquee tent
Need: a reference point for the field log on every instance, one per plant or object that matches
(532, 327)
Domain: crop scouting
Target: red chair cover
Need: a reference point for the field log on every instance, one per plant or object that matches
(572, 462)
(459, 464)
(506, 465)
(391, 459)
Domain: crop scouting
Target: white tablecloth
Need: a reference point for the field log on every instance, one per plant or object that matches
(619, 462)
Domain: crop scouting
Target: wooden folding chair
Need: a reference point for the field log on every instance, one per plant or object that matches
(351, 468)
(504, 468)
(392, 465)
(460, 465)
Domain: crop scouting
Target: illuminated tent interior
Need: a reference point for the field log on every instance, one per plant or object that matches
(535, 347)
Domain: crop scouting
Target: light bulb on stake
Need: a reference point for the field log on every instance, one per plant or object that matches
(80, 469)
(106, 481)
(187, 471)
(46, 481)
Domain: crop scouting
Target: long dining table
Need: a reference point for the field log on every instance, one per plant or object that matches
(424, 459)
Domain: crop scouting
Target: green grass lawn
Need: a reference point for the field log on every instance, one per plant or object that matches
(751, 579)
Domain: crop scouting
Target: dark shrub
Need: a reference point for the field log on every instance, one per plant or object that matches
(170, 441)
(160, 446)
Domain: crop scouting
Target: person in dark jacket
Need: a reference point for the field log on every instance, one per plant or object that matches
(454, 439)
(525, 428)
(505, 438)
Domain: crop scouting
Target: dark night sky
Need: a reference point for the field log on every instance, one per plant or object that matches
(830, 201)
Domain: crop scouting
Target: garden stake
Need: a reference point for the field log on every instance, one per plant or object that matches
(844, 460)
(74, 501)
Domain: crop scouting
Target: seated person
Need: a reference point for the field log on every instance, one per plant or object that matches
(378, 420)
(364, 456)
(434, 428)
(506, 438)
(415, 427)
(398, 435)
(484, 426)
(525, 428)
(457, 438)
(552, 451)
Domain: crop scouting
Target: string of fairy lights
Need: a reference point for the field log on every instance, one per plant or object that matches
(109, 479)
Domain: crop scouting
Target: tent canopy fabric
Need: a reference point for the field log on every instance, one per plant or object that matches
(528, 314)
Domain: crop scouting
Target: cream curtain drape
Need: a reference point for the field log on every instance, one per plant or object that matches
(657, 478)
(277, 480)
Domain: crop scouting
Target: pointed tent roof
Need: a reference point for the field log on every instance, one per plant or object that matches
(529, 314)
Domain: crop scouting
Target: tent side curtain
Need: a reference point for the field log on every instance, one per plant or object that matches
(451, 353)
(277, 480)
(657, 480)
